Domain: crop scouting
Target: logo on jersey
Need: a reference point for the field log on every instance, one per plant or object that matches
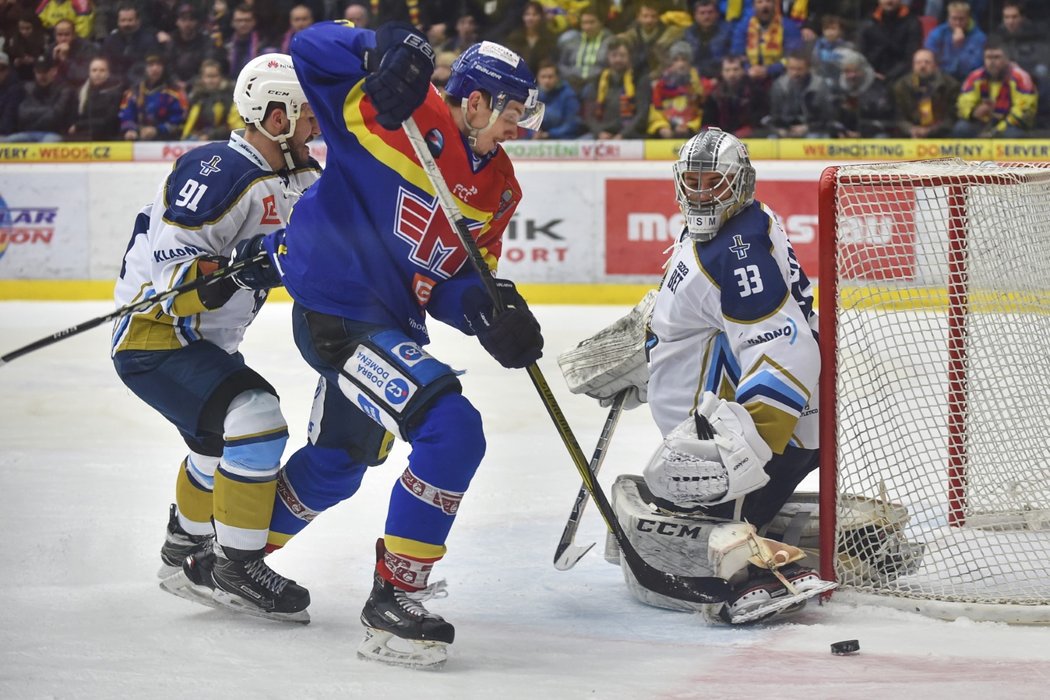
(422, 286)
(397, 391)
(372, 370)
(411, 353)
(434, 246)
(505, 201)
(270, 216)
(464, 193)
(739, 247)
(435, 142)
(677, 275)
(789, 331)
(210, 166)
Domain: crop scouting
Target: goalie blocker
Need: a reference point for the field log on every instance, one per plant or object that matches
(764, 570)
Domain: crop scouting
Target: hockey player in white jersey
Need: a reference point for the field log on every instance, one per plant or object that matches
(733, 363)
(181, 356)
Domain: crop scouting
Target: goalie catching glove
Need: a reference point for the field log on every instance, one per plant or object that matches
(511, 336)
(691, 471)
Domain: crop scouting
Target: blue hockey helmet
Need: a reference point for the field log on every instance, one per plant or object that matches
(501, 73)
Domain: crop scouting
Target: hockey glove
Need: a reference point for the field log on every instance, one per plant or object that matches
(511, 336)
(263, 274)
(401, 80)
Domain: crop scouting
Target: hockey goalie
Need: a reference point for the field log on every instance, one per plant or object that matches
(726, 355)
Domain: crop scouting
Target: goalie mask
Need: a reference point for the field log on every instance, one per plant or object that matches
(263, 80)
(706, 208)
(501, 73)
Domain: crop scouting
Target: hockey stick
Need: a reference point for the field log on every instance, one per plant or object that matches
(696, 589)
(568, 553)
(136, 307)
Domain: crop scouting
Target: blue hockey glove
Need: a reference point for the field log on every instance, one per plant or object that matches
(511, 336)
(263, 274)
(401, 81)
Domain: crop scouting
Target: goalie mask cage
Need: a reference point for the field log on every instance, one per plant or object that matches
(935, 389)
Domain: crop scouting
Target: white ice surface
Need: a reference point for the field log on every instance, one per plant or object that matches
(87, 472)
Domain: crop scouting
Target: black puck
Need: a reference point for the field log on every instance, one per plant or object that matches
(849, 646)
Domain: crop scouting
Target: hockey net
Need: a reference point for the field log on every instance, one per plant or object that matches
(935, 334)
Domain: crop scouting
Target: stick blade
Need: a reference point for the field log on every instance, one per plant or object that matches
(567, 557)
(706, 590)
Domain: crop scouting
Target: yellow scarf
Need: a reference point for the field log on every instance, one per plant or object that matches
(765, 47)
(799, 10)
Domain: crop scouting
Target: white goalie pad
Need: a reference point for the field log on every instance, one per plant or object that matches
(613, 359)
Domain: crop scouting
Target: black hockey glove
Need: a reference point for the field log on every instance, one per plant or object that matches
(262, 274)
(511, 336)
(400, 79)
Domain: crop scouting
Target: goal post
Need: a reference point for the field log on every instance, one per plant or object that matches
(934, 300)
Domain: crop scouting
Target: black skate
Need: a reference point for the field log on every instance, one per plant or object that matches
(250, 586)
(193, 581)
(179, 544)
(763, 595)
(400, 631)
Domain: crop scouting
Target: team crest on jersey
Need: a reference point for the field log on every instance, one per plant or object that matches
(505, 200)
(435, 142)
(739, 247)
(434, 246)
(270, 216)
(211, 166)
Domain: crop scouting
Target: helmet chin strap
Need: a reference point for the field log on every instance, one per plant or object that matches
(282, 141)
(472, 131)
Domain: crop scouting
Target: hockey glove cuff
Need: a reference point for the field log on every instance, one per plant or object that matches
(511, 336)
(401, 81)
(263, 274)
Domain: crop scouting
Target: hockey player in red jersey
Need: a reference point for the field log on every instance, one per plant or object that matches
(368, 257)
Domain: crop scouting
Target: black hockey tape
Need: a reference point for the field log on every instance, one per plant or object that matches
(849, 646)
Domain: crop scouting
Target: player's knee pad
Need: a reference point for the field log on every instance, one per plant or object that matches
(255, 434)
(448, 443)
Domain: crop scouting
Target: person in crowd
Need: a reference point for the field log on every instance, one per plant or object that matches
(997, 100)
(889, 38)
(211, 115)
(189, 46)
(649, 40)
(582, 52)
(736, 105)
(443, 63)
(299, 18)
(561, 115)
(765, 38)
(26, 47)
(825, 60)
(47, 109)
(709, 38)
(865, 107)
(617, 105)
(246, 42)
(533, 41)
(98, 105)
(80, 12)
(958, 42)
(800, 103)
(466, 35)
(72, 54)
(153, 109)
(677, 101)
(1030, 49)
(127, 46)
(360, 13)
(12, 91)
(925, 99)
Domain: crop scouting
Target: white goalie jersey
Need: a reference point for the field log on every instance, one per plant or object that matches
(215, 197)
(734, 316)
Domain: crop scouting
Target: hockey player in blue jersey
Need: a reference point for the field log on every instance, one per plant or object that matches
(366, 258)
(733, 364)
(181, 357)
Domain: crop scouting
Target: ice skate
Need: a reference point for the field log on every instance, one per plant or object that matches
(400, 631)
(763, 595)
(193, 581)
(179, 544)
(251, 587)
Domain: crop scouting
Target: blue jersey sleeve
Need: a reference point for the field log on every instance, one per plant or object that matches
(329, 60)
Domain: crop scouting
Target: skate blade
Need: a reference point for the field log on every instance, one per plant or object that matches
(179, 585)
(228, 601)
(165, 571)
(775, 606)
(418, 654)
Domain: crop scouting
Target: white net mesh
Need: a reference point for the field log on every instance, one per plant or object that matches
(943, 378)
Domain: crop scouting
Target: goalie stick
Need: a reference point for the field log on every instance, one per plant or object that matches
(568, 553)
(697, 589)
(133, 308)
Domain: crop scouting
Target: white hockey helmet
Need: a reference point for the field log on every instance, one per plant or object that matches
(265, 79)
(713, 150)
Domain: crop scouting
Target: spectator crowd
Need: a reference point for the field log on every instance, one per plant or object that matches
(104, 70)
